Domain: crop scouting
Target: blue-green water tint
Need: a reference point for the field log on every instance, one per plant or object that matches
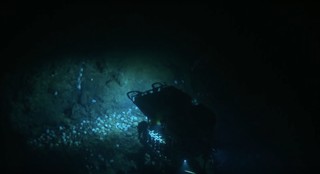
(261, 79)
(75, 135)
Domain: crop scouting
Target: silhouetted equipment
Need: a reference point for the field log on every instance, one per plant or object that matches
(186, 126)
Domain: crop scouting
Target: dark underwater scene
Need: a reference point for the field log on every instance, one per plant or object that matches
(104, 88)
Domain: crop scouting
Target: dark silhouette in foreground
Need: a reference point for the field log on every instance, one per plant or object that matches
(186, 127)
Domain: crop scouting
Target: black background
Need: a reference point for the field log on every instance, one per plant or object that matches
(264, 50)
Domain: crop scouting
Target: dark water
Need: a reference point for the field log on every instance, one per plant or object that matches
(255, 67)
